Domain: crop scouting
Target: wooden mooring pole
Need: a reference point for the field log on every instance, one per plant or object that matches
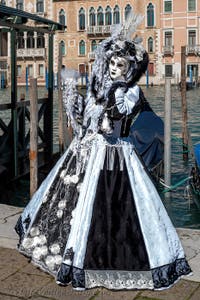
(33, 154)
(167, 134)
(60, 103)
(184, 103)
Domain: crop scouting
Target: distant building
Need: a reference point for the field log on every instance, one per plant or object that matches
(180, 26)
(167, 25)
(31, 47)
(89, 22)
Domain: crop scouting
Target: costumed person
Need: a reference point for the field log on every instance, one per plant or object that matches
(97, 219)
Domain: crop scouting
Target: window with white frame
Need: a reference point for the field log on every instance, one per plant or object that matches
(62, 17)
(92, 17)
(63, 48)
(192, 70)
(82, 47)
(192, 37)
(116, 15)
(150, 44)
(168, 70)
(40, 40)
(82, 69)
(191, 5)
(100, 17)
(93, 45)
(20, 4)
(108, 16)
(19, 70)
(151, 69)
(82, 19)
(41, 70)
(150, 15)
(20, 40)
(30, 70)
(30, 39)
(167, 6)
(168, 38)
(40, 6)
(128, 9)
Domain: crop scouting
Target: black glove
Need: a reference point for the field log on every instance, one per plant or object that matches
(115, 86)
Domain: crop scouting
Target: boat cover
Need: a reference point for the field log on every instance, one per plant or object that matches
(147, 133)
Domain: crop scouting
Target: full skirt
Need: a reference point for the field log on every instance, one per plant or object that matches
(97, 220)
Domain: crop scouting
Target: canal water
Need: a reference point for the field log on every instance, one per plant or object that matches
(184, 211)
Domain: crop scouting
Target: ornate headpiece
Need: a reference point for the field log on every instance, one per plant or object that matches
(119, 44)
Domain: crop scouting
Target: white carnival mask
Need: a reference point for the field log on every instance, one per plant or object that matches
(118, 67)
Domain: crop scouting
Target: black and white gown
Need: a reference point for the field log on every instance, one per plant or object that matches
(97, 219)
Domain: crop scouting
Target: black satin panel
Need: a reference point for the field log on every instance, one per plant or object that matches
(68, 274)
(115, 240)
(20, 229)
(64, 276)
(78, 278)
(166, 275)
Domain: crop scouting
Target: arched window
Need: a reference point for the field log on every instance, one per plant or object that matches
(92, 17)
(62, 17)
(20, 40)
(40, 40)
(108, 16)
(116, 15)
(20, 4)
(93, 45)
(39, 5)
(82, 47)
(30, 39)
(128, 9)
(81, 19)
(100, 20)
(150, 44)
(150, 15)
(63, 48)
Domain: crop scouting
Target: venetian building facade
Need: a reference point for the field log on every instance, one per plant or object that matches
(31, 47)
(89, 22)
(167, 25)
(180, 26)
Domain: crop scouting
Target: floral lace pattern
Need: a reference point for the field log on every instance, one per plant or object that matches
(119, 280)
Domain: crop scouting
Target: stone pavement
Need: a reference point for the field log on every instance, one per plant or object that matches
(21, 280)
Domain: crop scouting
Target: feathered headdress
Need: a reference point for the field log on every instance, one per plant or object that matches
(120, 43)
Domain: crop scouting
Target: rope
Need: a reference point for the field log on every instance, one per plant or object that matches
(172, 187)
(188, 146)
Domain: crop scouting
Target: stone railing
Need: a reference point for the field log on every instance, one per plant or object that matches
(193, 49)
(31, 52)
(91, 56)
(106, 29)
(168, 50)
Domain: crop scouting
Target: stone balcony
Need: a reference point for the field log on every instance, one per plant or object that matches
(99, 30)
(91, 56)
(168, 50)
(193, 50)
(31, 53)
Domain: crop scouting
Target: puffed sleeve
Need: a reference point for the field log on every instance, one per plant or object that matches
(126, 101)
